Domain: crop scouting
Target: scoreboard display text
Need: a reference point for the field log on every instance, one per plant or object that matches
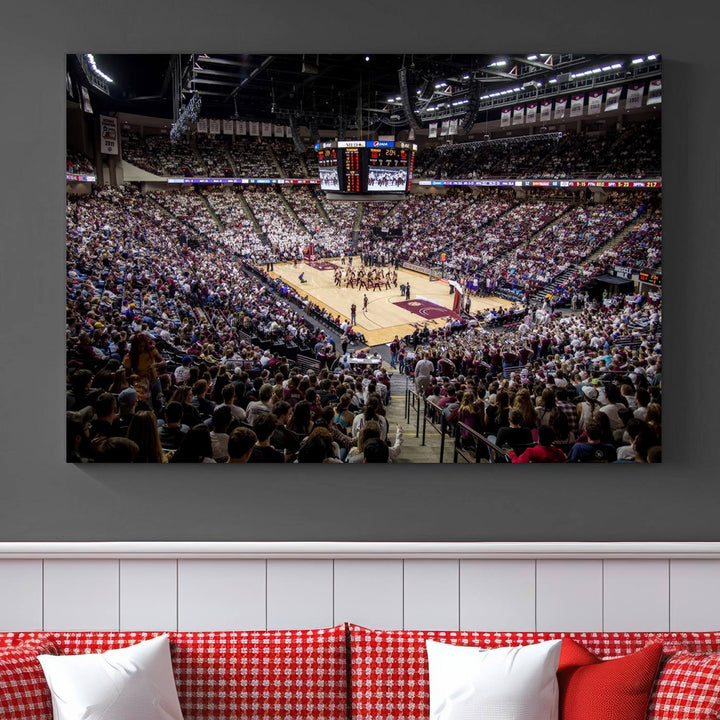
(359, 166)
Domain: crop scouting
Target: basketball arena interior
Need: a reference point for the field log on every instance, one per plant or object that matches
(328, 258)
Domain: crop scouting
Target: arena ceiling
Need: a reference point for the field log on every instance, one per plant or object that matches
(348, 90)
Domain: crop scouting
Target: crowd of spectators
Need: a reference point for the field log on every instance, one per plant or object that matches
(78, 163)
(633, 150)
(592, 379)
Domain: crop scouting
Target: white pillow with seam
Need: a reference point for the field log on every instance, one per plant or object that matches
(131, 682)
(510, 683)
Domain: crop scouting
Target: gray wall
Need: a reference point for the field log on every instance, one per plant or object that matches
(41, 498)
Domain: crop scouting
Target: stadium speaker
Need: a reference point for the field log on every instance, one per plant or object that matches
(295, 137)
(473, 105)
(406, 101)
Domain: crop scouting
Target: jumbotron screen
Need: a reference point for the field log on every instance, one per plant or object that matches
(366, 166)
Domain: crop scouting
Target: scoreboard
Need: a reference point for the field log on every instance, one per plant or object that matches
(360, 166)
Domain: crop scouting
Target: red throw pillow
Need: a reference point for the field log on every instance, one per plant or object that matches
(24, 692)
(615, 689)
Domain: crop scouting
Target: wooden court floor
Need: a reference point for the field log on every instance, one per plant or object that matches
(383, 319)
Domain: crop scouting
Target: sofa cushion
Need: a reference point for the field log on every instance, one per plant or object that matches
(389, 670)
(691, 642)
(592, 689)
(134, 681)
(507, 683)
(24, 693)
(687, 687)
(244, 675)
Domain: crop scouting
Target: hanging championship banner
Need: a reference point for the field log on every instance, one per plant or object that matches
(108, 135)
(445, 127)
(288, 131)
(505, 117)
(241, 127)
(634, 96)
(267, 129)
(254, 127)
(560, 104)
(279, 130)
(432, 130)
(545, 110)
(576, 105)
(518, 117)
(411, 134)
(227, 126)
(202, 125)
(453, 127)
(214, 126)
(87, 107)
(612, 98)
(595, 102)
(531, 112)
(654, 95)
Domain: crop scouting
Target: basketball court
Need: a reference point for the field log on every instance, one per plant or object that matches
(388, 312)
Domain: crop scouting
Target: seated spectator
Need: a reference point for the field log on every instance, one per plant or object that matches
(261, 406)
(221, 419)
(263, 452)
(318, 447)
(77, 434)
(195, 446)
(240, 444)
(115, 450)
(372, 429)
(376, 451)
(205, 406)
(127, 402)
(143, 431)
(172, 431)
(106, 423)
(543, 452)
(515, 434)
(594, 450)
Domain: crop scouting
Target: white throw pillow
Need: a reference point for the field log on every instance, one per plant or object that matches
(126, 684)
(512, 683)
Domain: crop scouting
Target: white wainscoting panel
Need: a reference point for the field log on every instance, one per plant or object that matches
(148, 595)
(497, 595)
(21, 601)
(221, 595)
(431, 593)
(635, 595)
(569, 595)
(369, 593)
(481, 586)
(82, 595)
(694, 595)
(299, 594)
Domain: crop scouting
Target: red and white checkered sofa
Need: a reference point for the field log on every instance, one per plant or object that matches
(342, 673)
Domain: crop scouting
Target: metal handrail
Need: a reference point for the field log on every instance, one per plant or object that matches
(495, 450)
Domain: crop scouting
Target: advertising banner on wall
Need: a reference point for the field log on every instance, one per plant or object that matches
(612, 98)
(108, 135)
